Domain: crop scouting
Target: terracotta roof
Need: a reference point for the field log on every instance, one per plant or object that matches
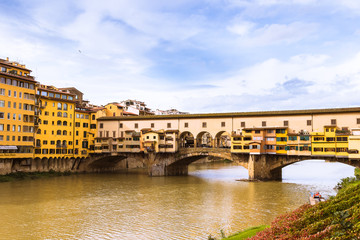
(172, 131)
(130, 113)
(98, 108)
(293, 134)
(239, 114)
(8, 63)
(55, 91)
(28, 78)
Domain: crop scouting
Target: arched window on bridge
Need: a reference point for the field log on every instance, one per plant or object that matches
(223, 140)
(204, 139)
(187, 140)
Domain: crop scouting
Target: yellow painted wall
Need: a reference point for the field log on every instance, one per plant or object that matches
(82, 134)
(56, 128)
(17, 116)
(113, 110)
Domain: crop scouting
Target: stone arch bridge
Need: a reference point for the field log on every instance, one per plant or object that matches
(260, 167)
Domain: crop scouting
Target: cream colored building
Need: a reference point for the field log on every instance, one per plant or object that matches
(207, 130)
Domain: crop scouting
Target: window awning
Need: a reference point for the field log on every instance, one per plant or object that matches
(8, 148)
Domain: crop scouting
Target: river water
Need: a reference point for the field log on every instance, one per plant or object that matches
(135, 206)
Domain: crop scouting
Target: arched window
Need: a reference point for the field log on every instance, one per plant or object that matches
(59, 123)
(65, 107)
(58, 143)
(64, 132)
(65, 115)
(59, 114)
(93, 117)
(64, 123)
(38, 131)
(58, 132)
(64, 142)
(59, 106)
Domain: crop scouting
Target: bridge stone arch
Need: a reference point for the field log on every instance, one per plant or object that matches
(204, 139)
(284, 161)
(178, 163)
(269, 167)
(102, 163)
(186, 140)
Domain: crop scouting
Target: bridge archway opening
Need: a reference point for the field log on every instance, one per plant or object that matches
(310, 170)
(222, 140)
(187, 140)
(104, 163)
(204, 140)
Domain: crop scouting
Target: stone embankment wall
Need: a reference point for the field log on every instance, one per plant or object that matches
(91, 164)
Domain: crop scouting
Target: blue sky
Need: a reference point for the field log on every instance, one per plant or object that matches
(196, 56)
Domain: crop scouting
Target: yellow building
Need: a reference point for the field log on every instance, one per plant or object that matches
(331, 142)
(150, 140)
(299, 144)
(84, 132)
(281, 140)
(114, 109)
(159, 141)
(240, 142)
(354, 144)
(55, 135)
(17, 111)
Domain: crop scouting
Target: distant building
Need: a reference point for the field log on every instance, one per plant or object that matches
(117, 109)
(169, 112)
(134, 104)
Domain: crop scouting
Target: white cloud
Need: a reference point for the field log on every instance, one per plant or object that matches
(259, 87)
(242, 28)
(272, 34)
(248, 3)
(351, 4)
(118, 40)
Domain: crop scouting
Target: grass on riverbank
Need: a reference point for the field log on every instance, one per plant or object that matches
(18, 176)
(247, 233)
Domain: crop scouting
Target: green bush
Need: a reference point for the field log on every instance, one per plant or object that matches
(357, 173)
(345, 182)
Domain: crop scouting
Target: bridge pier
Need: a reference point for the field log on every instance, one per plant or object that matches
(259, 168)
(159, 170)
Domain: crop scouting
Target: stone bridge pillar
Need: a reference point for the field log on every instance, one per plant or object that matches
(259, 168)
(159, 170)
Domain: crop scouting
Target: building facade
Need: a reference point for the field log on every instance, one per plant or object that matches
(55, 134)
(323, 132)
(17, 111)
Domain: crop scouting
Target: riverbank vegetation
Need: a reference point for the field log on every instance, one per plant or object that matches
(337, 218)
(31, 175)
(247, 233)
